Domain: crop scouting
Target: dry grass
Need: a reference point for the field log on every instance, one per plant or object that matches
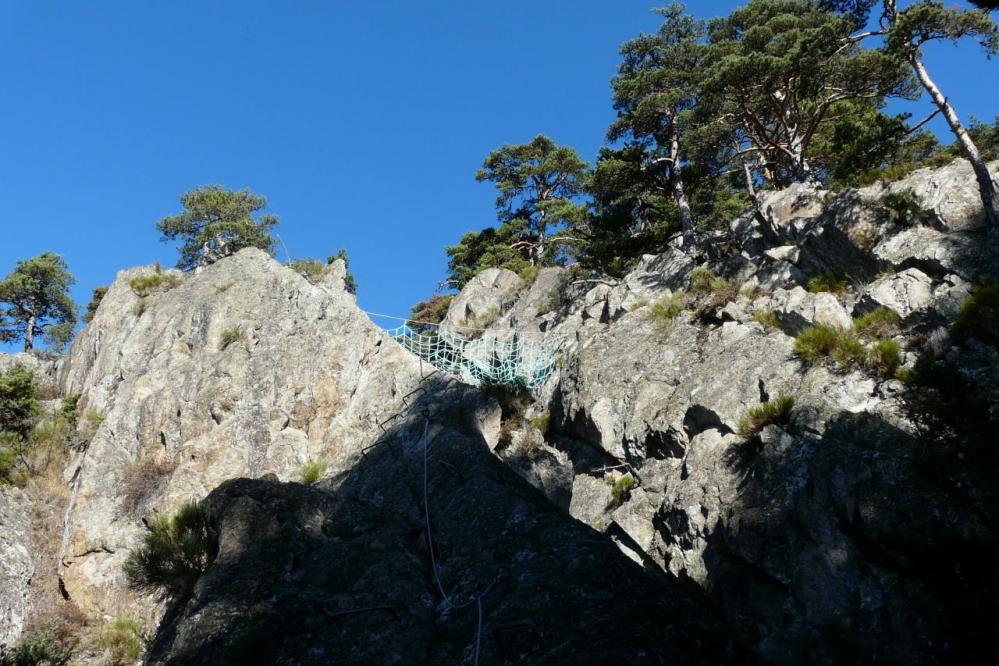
(141, 480)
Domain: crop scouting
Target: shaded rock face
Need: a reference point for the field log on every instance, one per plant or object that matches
(844, 536)
(16, 566)
(342, 573)
(243, 369)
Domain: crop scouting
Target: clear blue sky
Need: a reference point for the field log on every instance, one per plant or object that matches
(362, 121)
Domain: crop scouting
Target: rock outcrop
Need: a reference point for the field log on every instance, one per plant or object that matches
(242, 370)
(623, 514)
(16, 566)
(342, 573)
(827, 540)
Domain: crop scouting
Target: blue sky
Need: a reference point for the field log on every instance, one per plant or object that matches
(363, 122)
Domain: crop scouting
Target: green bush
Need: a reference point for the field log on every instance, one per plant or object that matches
(621, 488)
(231, 336)
(312, 270)
(19, 404)
(312, 471)
(666, 309)
(157, 283)
(425, 314)
(122, 641)
(979, 316)
(140, 306)
(826, 282)
(95, 301)
(902, 208)
(877, 323)
(349, 281)
(175, 552)
(885, 357)
(778, 411)
(767, 318)
(50, 644)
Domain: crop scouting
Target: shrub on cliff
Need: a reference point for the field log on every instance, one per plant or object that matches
(778, 411)
(174, 553)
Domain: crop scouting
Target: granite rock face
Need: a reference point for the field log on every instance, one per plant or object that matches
(342, 573)
(823, 540)
(16, 565)
(242, 370)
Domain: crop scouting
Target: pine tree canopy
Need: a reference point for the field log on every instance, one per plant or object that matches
(217, 222)
(35, 300)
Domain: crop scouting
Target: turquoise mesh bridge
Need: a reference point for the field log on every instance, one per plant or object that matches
(483, 360)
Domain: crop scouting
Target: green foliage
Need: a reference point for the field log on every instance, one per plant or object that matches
(845, 349)
(902, 208)
(542, 422)
(155, 283)
(35, 300)
(312, 270)
(140, 307)
(95, 301)
(877, 323)
(790, 49)
(19, 405)
(929, 20)
(885, 357)
(122, 641)
(349, 282)
(50, 644)
(224, 287)
(174, 553)
(539, 185)
(979, 316)
(621, 488)
(819, 341)
(767, 318)
(778, 411)
(313, 470)
(217, 222)
(829, 282)
(666, 309)
(425, 314)
(230, 336)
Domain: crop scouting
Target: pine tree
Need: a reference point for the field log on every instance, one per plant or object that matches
(35, 300)
(217, 222)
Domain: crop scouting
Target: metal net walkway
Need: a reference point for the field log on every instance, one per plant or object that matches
(483, 360)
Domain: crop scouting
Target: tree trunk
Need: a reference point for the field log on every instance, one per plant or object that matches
(29, 334)
(986, 186)
(679, 196)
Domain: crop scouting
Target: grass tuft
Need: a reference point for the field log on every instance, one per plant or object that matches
(877, 323)
(157, 283)
(829, 282)
(313, 470)
(779, 411)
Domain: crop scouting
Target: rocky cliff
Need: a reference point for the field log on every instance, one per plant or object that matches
(624, 513)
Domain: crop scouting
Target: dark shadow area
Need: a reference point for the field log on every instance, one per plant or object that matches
(342, 573)
(857, 547)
